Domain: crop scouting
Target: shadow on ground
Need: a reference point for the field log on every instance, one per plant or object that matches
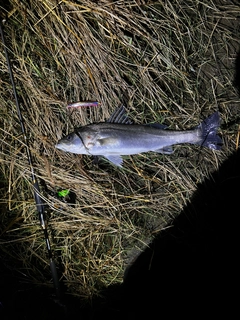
(191, 269)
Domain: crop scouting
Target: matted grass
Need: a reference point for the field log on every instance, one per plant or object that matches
(171, 62)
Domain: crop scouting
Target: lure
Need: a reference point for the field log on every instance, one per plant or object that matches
(83, 104)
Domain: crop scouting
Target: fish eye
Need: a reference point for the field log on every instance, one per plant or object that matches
(69, 138)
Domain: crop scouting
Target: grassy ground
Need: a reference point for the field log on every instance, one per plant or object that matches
(171, 62)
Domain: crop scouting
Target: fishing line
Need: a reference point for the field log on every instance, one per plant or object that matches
(36, 189)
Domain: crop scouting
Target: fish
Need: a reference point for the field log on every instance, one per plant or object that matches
(119, 136)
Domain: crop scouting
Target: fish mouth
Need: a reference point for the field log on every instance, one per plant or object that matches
(69, 148)
(60, 147)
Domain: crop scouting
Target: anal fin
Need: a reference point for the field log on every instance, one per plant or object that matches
(165, 150)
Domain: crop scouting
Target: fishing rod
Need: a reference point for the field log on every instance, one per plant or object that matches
(36, 189)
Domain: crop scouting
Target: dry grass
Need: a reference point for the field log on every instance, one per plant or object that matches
(172, 62)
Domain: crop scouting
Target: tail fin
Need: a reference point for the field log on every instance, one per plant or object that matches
(209, 128)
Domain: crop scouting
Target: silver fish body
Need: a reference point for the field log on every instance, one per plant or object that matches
(112, 140)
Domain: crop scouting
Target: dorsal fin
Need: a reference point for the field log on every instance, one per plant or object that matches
(119, 116)
(157, 125)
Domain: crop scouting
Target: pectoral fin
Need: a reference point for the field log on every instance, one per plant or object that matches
(108, 141)
(115, 159)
